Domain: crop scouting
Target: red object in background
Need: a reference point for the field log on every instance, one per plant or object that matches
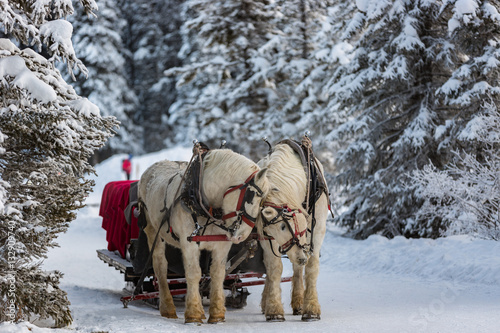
(115, 198)
(127, 166)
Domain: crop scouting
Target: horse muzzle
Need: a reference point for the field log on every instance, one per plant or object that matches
(239, 234)
(237, 239)
(302, 261)
(299, 256)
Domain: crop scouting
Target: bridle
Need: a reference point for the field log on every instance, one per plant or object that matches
(246, 196)
(285, 214)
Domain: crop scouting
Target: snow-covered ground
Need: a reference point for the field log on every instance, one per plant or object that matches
(376, 285)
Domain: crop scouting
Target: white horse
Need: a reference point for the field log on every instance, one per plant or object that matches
(286, 221)
(230, 182)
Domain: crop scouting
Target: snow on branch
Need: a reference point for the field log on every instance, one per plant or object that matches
(57, 35)
(466, 195)
(41, 22)
(15, 67)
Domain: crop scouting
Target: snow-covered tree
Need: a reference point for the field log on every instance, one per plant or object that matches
(98, 42)
(305, 55)
(465, 197)
(223, 89)
(47, 134)
(265, 82)
(418, 73)
(153, 40)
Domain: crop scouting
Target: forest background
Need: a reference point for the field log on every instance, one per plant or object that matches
(400, 96)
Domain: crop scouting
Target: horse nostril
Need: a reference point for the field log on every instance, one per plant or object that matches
(237, 239)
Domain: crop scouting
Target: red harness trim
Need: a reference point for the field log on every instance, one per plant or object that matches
(208, 238)
(243, 188)
(239, 186)
(221, 238)
(243, 217)
(289, 243)
(296, 233)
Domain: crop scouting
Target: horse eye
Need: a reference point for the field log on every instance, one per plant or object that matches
(275, 189)
(283, 226)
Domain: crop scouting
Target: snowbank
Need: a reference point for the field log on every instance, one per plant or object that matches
(455, 258)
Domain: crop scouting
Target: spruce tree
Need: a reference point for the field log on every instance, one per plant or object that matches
(465, 196)
(418, 74)
(223, 89)
(302, 59)
(152, 38)
(47, 134)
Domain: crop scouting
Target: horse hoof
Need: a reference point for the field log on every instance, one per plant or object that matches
(193, 321)
(310, 317)
(275, 318)
(170, 315)
(297, 312)
(216, 320)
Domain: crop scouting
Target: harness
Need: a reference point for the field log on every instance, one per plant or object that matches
(315, 181)
(315, 187)
(245, 197)
(193, 199)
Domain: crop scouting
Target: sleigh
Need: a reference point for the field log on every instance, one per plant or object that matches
(128, 253)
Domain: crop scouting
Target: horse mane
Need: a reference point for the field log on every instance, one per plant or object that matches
(285, 172)
(229, 163)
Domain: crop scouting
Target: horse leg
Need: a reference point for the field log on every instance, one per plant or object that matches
(263, 300)
(297, 289)
(311, 309)
(194, 309)
(271, 296)
(160, 266)
(217, 275)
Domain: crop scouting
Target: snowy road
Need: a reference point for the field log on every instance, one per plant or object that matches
(375, 285)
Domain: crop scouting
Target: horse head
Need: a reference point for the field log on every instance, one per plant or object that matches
(282, 217)
(241, 205)
(288, 227)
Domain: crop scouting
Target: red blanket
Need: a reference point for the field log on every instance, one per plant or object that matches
(115, 198)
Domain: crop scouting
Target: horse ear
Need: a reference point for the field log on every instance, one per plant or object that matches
(268, 213)
(260, 174)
